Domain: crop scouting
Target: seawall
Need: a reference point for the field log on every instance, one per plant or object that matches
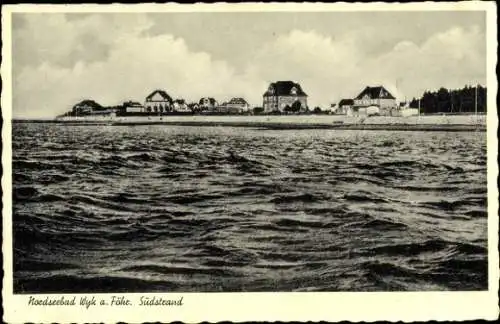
(419, 123)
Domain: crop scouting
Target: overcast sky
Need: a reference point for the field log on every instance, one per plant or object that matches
(59, 59)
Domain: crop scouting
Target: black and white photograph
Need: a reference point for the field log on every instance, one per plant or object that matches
(269, 151)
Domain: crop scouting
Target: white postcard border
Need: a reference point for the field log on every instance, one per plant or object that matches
(237, 307)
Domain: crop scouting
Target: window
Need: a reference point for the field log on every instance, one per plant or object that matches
(293, 91)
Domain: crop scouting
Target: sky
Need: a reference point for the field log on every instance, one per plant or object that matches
(60, 59)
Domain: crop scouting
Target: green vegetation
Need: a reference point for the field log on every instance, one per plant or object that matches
(258, 110)
(452, 102)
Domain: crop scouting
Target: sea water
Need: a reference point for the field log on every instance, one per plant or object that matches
(165, 208)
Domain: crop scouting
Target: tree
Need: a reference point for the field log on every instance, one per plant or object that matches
(443, 100)
(452, 101)
(414, 103)
(258, 110)
(296, 106)
(317, 110)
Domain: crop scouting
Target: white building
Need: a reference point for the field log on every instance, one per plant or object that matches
(133, 107)
(345, 107)
(158, 101)
(376, 96)
(235, 106)
(369, 111)
(180, 105)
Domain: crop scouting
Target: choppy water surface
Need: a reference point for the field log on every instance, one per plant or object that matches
(159, 208)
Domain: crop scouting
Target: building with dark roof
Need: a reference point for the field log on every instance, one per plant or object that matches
(346, 102)
(344, 107)
(235, 105)
(376, 96)
(238, 101)
(284, 96)
(193, 106)
(158, 101)
(86, 107)
(90, 107)
(180, 105)
(132, 106)
(208, 103)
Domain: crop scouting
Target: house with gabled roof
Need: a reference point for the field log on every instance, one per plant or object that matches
(208, 103)
(344, 107)
(132, 107)
(180, 105)
(193, 106)
(376, 96)
(284, 96)
(158, 102)
(86, 107)
(235, 105)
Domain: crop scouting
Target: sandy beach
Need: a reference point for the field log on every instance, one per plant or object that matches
(430, 123)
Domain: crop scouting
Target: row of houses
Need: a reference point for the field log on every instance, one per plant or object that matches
(280, 96)
(288, 96)
(159, 101)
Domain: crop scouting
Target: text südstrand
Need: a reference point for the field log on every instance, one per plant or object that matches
(113, 300)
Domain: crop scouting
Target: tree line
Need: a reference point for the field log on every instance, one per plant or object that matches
(452, 101)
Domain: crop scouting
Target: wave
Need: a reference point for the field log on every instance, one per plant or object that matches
(447, 205)
(380, 224)
(194, 198)
(33, 235)
(286, 222)
(98, 202)
(276, 228)
(457, 266)
(32, 165)
(177, 270)
(477, 213)
(364, 197)
(369, 223)
(257, 189)
(224, 263)
(410, 249)
(42, 266)
(47, 179)
(384, 269)
(23, 193)
(142, 157)
(126, 197)
(407, 164)
(306, 197)
(355, 178)
(98, 284)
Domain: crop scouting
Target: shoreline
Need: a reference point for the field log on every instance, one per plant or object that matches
(415, 123)
(287, 126)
